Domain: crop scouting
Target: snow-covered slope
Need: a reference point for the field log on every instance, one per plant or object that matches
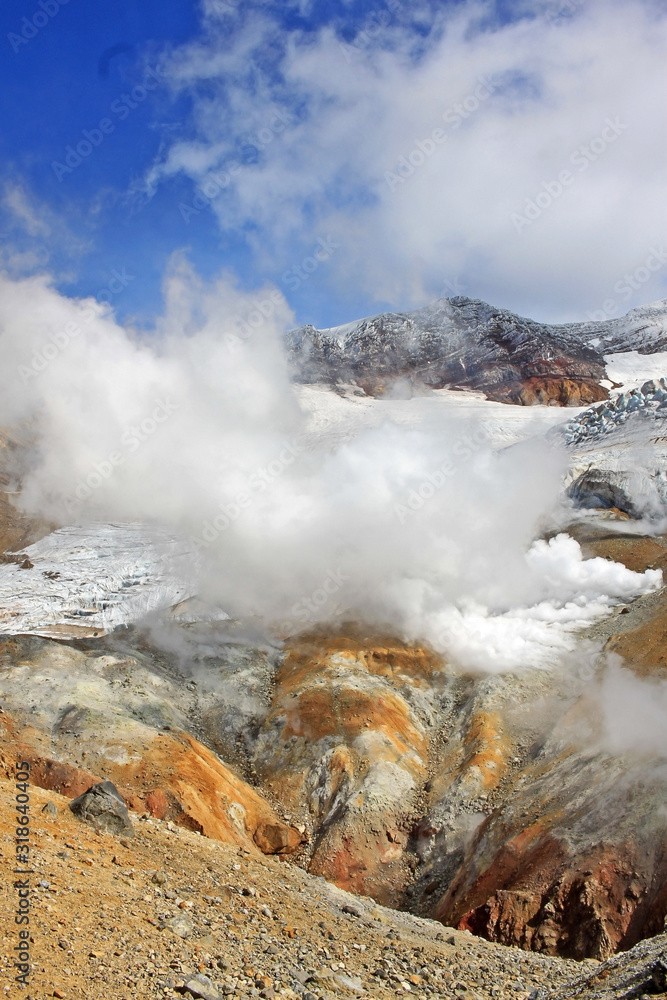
(338, 416)
(457, 342)
(86, 581)
(630, 369)
(643, 329)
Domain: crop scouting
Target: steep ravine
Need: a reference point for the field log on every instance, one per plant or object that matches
(488, 803)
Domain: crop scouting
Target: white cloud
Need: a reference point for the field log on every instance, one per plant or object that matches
(24, 210)
(556, 87)
(34, 233)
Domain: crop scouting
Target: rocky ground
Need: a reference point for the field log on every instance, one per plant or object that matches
(342, 760)
(649, 401)
(490, 803)
(170, 913)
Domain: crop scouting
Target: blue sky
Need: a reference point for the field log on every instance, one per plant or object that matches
(314, 126)
(53, 90)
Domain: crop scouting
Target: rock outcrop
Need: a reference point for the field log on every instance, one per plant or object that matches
(345, 747)
(595, 489)
(461, 343)
(81, 717)
(649, 402)
(541, 391)
(565, 866)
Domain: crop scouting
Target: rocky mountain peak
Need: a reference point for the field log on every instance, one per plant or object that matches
(466, 343)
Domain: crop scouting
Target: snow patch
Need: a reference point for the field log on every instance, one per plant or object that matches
(94, 579)
(632, 369)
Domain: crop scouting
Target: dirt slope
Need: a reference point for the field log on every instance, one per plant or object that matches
(103, 912)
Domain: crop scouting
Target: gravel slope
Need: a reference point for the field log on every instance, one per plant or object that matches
(108, 916)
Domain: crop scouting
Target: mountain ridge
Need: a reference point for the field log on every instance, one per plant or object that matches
(466, 343)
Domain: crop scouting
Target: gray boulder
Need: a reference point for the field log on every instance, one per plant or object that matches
(102, 806)
(596, 489)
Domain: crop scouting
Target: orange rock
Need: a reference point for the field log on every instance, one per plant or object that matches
(644, 647)
(157, 803)
(342, 738)
(533, 895)
(276, 838)
(547, 391)
(488, 748)
(177, 778)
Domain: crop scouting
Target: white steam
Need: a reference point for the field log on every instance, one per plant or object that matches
(568, 592)
(421, 526)
(634, 712)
